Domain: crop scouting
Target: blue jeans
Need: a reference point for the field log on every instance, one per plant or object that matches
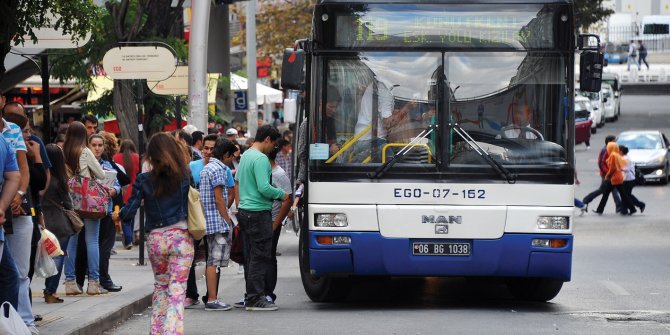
(631, 60)
(51, 283)
(128, 226)
(92, 235)
(9, 277)
(70, 256)
(19, 243)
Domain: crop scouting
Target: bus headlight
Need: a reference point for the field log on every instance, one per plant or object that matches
(331, 220)
(553, 222)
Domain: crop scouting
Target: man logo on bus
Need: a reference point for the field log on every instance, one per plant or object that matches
(441, 219)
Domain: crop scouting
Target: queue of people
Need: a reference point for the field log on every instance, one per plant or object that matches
(38, 194)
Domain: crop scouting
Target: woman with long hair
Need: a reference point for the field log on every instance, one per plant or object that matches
(55, 200)
(98, 143)
(79, 160)
(130, 160)
(164, 190)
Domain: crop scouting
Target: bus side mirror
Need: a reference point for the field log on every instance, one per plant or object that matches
(292, 71)
(590, 71)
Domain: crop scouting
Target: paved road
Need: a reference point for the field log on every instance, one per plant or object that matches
(619, 286)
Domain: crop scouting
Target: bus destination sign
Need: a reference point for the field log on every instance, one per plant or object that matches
(422, 27)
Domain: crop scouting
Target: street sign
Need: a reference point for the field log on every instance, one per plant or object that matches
(51, 38)
(139, 62)
(241, 101)
(177, 84)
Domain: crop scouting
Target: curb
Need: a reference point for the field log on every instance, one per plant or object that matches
(108, 321)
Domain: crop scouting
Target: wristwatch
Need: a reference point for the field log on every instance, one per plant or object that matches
(21, 193)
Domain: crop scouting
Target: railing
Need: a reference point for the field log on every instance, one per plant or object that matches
(621, 36)
(656, 73)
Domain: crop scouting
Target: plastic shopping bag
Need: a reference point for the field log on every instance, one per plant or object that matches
(11, 322)
(45, 266)
(51, 243)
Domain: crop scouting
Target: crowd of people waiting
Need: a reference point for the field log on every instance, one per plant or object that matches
(240, 184)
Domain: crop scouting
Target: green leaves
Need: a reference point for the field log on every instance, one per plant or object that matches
(589, 12)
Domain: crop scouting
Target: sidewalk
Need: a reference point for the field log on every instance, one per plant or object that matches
(85, 314)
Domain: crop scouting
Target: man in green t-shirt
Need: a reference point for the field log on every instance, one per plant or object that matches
(254, 215)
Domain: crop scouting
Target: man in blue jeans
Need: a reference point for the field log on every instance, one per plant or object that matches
(256, 194)
(9, 183)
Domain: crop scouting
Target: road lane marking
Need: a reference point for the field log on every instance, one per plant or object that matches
(615, 288)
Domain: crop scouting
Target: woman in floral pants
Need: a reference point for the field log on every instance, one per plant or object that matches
(165, 193)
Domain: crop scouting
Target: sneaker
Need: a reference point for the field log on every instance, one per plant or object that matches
(269, 299)
(190, 303)
(239, 304)
(583, 210)
(217, 305)
(261, 305)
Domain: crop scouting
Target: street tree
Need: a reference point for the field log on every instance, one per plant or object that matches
(122, 21)
(589, 12)
(278, 25)
(21, 17)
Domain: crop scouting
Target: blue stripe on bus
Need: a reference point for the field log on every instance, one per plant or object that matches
(371, 254)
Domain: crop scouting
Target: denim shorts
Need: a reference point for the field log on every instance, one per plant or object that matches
(218, 249)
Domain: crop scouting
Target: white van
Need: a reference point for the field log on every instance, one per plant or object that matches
(656, 25)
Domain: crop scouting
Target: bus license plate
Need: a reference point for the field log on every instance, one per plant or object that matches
(441, 249)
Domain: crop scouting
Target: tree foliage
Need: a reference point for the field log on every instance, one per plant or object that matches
(589, 12)
(21, 17)
(278, 25)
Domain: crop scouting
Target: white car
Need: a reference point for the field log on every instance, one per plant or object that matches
(584, 104)
(596, 99)
(609, 103)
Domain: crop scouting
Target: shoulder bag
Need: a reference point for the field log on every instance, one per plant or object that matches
(196, 214)
(90, 199)
(72, 216)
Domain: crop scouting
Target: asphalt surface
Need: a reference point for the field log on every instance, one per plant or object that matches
(621, 267)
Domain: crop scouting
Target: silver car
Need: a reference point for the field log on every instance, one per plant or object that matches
(650, 151)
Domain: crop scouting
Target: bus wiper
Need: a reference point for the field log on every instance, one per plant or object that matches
(499, 168)
(399, 156)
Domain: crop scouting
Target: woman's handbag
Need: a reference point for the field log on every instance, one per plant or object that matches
(196, 214)
(75, 221)
(90, 199)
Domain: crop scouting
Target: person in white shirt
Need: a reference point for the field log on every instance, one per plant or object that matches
(632, 54)
(385, 104)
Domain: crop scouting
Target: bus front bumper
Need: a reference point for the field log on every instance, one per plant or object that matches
(371, 254)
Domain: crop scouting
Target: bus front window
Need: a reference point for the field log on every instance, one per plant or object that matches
(385, 101)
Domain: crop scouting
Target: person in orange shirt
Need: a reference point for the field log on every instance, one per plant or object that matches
(614, 179)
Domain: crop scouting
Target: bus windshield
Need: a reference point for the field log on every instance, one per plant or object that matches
(377, 104)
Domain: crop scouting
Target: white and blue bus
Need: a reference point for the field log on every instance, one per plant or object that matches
(439, 142)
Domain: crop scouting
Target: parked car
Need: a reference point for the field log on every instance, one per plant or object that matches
(613, 80)
(584, 104)
(596, 106)
(609, 109)
(650, 151)
(616, 53)
(583, 122)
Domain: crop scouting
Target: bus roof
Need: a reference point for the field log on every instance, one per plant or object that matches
(460, 2)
